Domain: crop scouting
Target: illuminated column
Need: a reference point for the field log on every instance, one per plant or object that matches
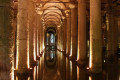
(73, 52)
(38, 33)
(68, 33)
(67, 69)
(81, 32)
(59, 38)
(35, 37)
(7, 30)
(64, 38)
(95, 36)
(31, 16)
(41, 38)
(22, 36)
(112, 32)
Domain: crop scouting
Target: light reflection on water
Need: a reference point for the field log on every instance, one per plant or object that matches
(78, 78)
(69, 71)
(90, 78)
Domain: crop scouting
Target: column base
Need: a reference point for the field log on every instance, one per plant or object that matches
(111, 58)
(38, 57)
(35, 63)
(81, 63)
(71, 58)
(95, 71)
(25, 71)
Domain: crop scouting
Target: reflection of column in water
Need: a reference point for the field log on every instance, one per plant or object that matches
(34, 73)
(67, 69)
(28, 78)
(90, 78)
(78, 73)
(16, 78)
(73, 71)
(41, 67)
(81, 74)
(38, 69)
(58, 60)
(37, 72)
(70, 70)
(63, 67)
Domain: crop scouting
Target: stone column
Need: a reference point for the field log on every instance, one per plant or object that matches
(112, 31)
(41, 39)
(22, 36)
(110, 22)
(59, 38)
(68, 34)
(95, 36)
(31, 23)
(35, 36)
(116, 34)
(64, 38)
(82, 32)
(73, 52)
(38, 32)
(67, 69)
(6, 41)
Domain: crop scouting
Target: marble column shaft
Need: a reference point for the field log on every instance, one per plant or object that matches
(22, 35)
(32, 25)
(64, 39)
(68, 33)
(95, 36)
(82, 32)
(112, 30)
(6, 40)
(74, 33)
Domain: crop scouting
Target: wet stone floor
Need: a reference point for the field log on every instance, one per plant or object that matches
(54, 66)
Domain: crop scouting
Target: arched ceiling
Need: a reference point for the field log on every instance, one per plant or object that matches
(52, 11)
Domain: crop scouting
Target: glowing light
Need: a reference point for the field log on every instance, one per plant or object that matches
(71, 50)
(78, 54)
(104, 61)
(71, 68)
(16, 78)
(28, 45)
(28, 78)
(34, 46)
(30, 68)
(58, 26)
(90, 59)
(34, 73)
(90, 78)
(78, 77)
(37, 44)
(17, 54)
(87, 68)
(71, 6)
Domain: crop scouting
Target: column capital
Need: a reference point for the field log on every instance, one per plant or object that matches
(72, 6)
(67, 12)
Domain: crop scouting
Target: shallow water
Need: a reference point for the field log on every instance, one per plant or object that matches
(54, 66)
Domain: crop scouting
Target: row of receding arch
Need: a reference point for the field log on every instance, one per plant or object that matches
(53, 11)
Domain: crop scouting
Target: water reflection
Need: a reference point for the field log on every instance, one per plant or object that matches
(54, 66)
